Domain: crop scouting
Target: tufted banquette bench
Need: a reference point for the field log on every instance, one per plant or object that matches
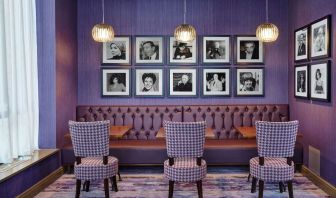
(140, 146)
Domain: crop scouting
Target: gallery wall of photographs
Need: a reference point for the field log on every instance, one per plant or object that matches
(312, 73)
(164, 67)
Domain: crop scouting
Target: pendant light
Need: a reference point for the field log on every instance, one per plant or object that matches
(103, 32)
(267, 32)
(185, 32)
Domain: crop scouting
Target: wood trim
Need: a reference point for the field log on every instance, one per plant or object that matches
(39, 186)
(319, 181)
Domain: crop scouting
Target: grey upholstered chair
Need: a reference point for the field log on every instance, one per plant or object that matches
(185, 146)
(276, 142)
(91, 146)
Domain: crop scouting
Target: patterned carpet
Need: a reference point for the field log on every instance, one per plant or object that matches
(150, 183)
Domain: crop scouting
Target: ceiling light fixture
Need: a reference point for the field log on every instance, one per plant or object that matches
(103, 32)
(185, 32)
(267, 32)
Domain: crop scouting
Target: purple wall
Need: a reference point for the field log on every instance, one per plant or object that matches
(46, 45)
(153, 17)
(66, 66)
(317, 119)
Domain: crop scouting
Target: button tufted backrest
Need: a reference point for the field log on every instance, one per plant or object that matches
(145, 120)
(224, 118)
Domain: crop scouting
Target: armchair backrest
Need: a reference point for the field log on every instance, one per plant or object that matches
(276, 139)
(185, 139)
(90, 139)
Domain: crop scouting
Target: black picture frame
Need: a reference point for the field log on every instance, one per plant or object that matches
(302, 89)
(209, 57)
(226, 85)
(171, 82)
(302, 33)
(172, 45)
(160, 87)
(325, 70)
(123, 43)
(160, 47)
(250, 73)
(123, 74)
(238, 52)
(316, 51)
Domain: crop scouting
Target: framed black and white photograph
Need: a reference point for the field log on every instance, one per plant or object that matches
(216, 49)
(183, 82)
(117, 52)
(301, 81)
(320, 38)
(116, 82)
(301, 44)
(149, 50)
(320, 81)
(149, 82)
(182, 53)
(216, 82)
(249, 50)
(250, 82)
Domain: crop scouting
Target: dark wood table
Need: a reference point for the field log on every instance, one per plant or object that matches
(250, 132)
(116, 132)
(208, 133)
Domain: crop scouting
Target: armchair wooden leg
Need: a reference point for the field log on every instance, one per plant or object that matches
(119, 176)
(199, 189)
(106, 188)
(254, 185)
(280, 187)
(261, 189)
(290, 189)
(171, 189)
(114, 183)
(78, 186)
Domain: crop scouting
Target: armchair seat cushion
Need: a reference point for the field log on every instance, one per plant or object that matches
(273, 170)
(185, 170)
(93, 168)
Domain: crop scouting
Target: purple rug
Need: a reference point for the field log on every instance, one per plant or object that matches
(230, 185)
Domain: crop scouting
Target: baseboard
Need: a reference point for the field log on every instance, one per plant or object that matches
(318, 181)
(38, 187)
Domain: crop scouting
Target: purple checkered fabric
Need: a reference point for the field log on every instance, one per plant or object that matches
(273, 170)
(185, 170)
(90, 139)
(93, 168)
(276, 139)
(185, 139)
(91, 142)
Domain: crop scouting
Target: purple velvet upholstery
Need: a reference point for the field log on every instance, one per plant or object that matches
(147, 120)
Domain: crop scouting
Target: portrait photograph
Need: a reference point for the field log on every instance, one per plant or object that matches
(301, 80)
(182, 53)
(320, 81)
(149, 82)
(116, 82)
(249, 50)
(216, 82)
(149, 50)
(117, 52)
(183, 82)
(216, 49)
(250, 82)
(320, 38)
(301, 44)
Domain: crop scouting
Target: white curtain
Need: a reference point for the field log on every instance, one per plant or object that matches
(18, 79)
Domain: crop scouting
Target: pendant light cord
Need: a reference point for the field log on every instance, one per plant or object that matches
(103, 11)
(267, 11)
(185, 11)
